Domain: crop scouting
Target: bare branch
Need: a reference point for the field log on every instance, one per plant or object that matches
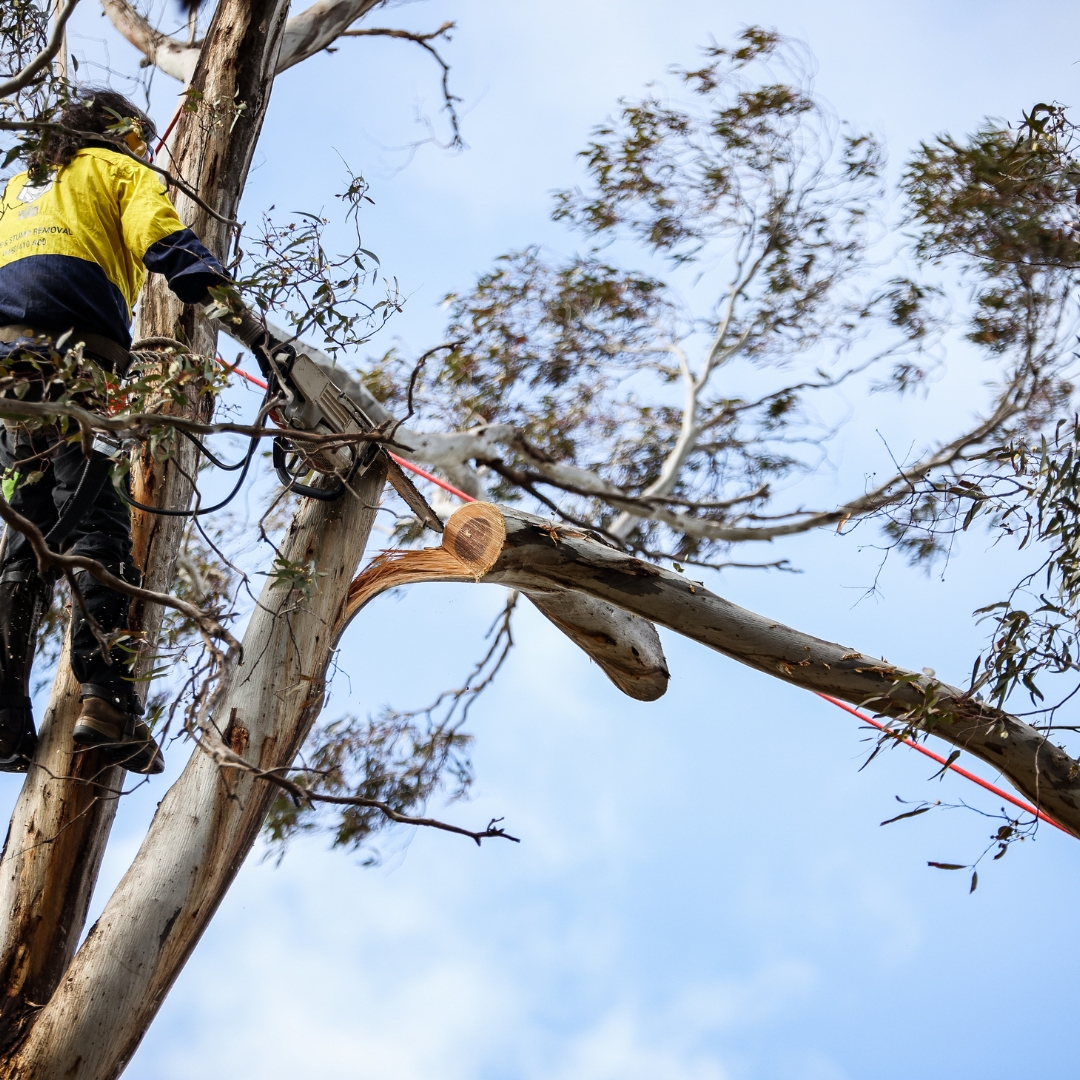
(43, 58)
(539, 556)
(227, 759)
(317, 27)
(450, 100)
(305, 34)
(140, 425)
(175, 58)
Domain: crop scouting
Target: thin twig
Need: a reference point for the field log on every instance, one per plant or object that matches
(424, 41)
(43, 58)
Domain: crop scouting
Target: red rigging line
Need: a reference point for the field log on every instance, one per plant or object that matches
(400, 460)
(172, 124)
(1027, 808)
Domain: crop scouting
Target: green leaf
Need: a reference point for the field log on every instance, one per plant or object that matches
(948, 865)
(974, 881)
(945, 768)
(910, 813)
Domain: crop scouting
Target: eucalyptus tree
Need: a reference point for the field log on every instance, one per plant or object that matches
(605, 398)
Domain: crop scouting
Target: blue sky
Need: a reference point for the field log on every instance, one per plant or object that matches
(703, 891)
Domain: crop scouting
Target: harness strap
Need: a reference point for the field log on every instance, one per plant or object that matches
(104, 348)
(95, 473)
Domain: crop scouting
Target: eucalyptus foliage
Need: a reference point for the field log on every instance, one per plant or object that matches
(756, 210)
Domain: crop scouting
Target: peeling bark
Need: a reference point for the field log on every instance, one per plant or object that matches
(306, 34)
(51, 860)
(45, 887)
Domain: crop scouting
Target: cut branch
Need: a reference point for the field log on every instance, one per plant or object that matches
(537, 555)
(624, 645)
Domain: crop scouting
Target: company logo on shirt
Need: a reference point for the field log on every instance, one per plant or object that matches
(32, 192)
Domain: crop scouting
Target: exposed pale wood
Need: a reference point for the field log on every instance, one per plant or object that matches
(543, 560)
(625, 646)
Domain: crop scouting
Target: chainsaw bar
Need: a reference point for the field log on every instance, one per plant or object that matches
(318, 404)
(411, 494)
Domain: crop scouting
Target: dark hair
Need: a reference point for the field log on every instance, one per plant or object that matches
(92, 109)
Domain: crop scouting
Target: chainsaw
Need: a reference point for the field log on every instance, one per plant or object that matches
(315, 403)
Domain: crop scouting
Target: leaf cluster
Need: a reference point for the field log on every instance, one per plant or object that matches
(291, 271)
(745, 180)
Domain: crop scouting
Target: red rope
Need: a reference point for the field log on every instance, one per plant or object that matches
(172, 124)
(942, 761)
(400, 460)
(1028, 809)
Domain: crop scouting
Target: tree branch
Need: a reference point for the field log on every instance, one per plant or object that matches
(536, 555)
(140, 425)
(43, 58)
(227, 759)
(175, 58)
(450, 100)
(317, 27)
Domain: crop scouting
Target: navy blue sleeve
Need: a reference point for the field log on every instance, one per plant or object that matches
(186, 264)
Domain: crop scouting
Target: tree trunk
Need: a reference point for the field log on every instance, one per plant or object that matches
(45, 886)
(51, 859)
(210, 818)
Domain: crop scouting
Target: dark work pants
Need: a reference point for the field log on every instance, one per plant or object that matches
(103, 534)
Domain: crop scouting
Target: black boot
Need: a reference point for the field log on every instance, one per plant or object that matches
(113, 724)
(111, 712)
(23, 599)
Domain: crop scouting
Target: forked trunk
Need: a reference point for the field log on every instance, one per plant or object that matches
(210, 818)
(62, 819)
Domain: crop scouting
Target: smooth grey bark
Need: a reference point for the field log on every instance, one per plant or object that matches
(209, 819)
(541, 557)
(64, 812)
(1041, 771)
(306, 34)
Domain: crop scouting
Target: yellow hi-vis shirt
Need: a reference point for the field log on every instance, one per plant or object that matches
(75, 250)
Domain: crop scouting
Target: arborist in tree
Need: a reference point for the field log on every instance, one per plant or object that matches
(78, 233)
